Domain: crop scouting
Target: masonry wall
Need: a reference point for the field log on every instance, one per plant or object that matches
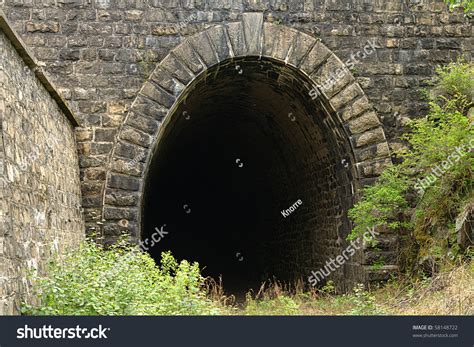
(101, 51)
(40, 198)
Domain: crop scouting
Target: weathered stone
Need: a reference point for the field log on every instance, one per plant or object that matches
(40, 195)
(120, 198)
(345, 96)
(128, 150)
(177, 69)
(252, 25)
(203, 47)
(380, 150)
(302, 45)
(187, 54)
(280, 41)
(318, 54)
(367, 138)
(365, 122)
(162, 78)
(333, 76)
(115, 213)
(133, 167)
(147, 125)
(83, 135)
(119, 47)
(124, 182)
(100, 148)
(51, 27)
(355, 108)
(218, 38)
(135, 136)
(236, 38)
(104, 135)
(159, 95)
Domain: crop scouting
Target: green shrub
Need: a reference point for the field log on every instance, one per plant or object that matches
(363, 301)
(280, 305)
(120, 280)
(424, 194)
(468, 5)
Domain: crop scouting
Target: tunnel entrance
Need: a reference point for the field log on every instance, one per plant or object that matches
(249, 177)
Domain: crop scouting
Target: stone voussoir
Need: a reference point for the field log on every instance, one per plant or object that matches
(236, 37)
(177, 69)
(149, 108)
(315, 58)
(369, 168)
(186, 53)
(202, 45)
(368, 138)
(135, 136)
(345, 96)
(355, 108)
(303, 44)
(121, 198)
(127, 167)
(380, 150)
(277, 41)
(333, 76)
(366, 121)
(157, 94)
(145, 124)
(219, 40)
(124, 182)
(252, 27)
(164, 79)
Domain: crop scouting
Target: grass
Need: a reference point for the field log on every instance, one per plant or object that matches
(122, 280)
(451, 292)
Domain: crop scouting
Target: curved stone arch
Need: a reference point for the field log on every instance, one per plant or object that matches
(159, 96)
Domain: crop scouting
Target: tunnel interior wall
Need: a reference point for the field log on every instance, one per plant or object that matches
(241, 148)
(40, 197)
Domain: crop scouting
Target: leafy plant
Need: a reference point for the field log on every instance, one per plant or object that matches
(280, 305)
(363, 301)
(423, 194)
(121, 280)
(468, 5)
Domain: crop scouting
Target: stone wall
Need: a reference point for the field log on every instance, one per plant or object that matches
(100, 53)
(40, 198)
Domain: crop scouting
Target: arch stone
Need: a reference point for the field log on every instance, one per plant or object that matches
(352, 114)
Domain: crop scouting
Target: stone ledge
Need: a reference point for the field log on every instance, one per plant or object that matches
(31, 62)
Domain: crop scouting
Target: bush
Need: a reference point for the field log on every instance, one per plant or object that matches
(467, 5)
(423, 195)
(120, 280)
(364, 302)
(281, 305)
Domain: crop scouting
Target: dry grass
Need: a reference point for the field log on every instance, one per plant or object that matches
(449, 293)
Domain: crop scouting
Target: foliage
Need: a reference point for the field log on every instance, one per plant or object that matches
(468, 5)
(328, 288)
(425, 193)
(363, 301)
(280, 305)
(120, 280)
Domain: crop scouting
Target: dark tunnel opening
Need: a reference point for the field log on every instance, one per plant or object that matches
(245, 143)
